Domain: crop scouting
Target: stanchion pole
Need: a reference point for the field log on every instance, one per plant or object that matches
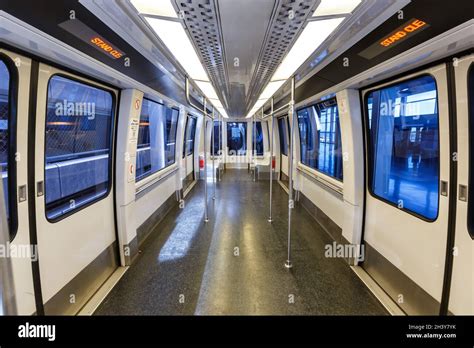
(213, 160)
(291, 114)
(206, 218)
(270, 218)
(254, 148)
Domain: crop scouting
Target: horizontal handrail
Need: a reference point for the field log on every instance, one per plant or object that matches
(318, 179)
(156, 181)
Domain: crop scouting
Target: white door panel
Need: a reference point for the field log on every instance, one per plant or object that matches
(68, 245)
(413, 245)
(462, 283)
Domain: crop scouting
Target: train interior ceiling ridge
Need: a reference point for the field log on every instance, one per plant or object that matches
(236, 157)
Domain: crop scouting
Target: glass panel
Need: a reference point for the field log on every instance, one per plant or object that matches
(190, 133)
(283, 136)
(79, 125)
(404, 145)
(237, 138)
(216, 148)
(4, 130)
(259, 140)
(320, 137)
(156, 138)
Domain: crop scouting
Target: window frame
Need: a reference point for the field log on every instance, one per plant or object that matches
(368, 144)
(188, 116)
(12, 144)
(300, 161)
(148, 175)
(470, 118)
(112, 152)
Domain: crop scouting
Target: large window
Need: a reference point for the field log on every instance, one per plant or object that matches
(156, 138)
(403, 140)
(79, 127)
(189, 136)
(320, 136)
(237, 138)
(6, 143)
(283, 132)
(258, 140)
(217, 145)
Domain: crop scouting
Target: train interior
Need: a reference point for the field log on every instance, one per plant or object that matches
(237, 157)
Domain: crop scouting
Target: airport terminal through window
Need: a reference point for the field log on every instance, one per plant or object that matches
(403, 140)
(4, 132)
(79, 126)
(156, 138)
(259, 139)
(283, 136)
(189, 136)
(237, 138)
(217, 144)
(320, 138)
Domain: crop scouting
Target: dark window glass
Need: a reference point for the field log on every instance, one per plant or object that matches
(156, 138)
(259, 139)
(189, 136)
(4, 133)
(216, 148)
(404, 145)
(470, 200)
(237, 138)
(320, 137)
(283, 136)
(79, 125)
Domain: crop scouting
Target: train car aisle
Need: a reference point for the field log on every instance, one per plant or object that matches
(234, 263)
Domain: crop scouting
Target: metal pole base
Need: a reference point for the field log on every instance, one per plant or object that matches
(213, 198)
(206, 220)
(288, 264)
(270, 220)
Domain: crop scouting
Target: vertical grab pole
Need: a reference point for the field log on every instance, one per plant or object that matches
(206, 217)
(270, 218)
(213, 160)
(221, 155)
(254, 148)
(291, 114)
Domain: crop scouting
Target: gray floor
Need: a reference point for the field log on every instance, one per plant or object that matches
(234, 264)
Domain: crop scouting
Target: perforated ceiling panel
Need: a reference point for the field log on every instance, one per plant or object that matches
(257, 34)
(202, 22)
(284, 29)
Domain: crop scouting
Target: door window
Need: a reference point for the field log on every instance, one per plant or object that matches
(7, 146)
(79, 128)
(403, 141)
